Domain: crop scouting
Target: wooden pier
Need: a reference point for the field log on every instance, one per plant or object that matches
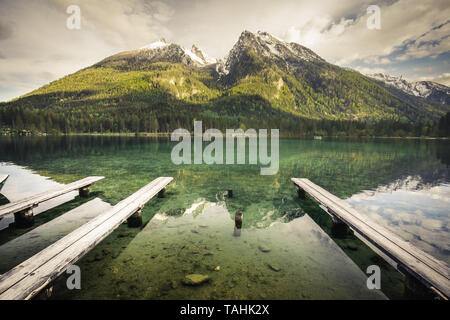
(23, 209)
(32, 276)
(421, 269)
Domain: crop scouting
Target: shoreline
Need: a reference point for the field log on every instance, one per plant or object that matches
(168, 134)
(8, 132)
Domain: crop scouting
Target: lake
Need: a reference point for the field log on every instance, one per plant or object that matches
(285, 250)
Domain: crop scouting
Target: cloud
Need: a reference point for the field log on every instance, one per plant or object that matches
(6, 30)
(40, 48)
(431, 44)
(34, 38)
(367, 70)
(401, 22)
(442, 79)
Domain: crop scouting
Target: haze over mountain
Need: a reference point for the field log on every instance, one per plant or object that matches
(262, 78)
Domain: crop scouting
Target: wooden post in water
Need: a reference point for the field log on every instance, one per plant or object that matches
(162, 193)
(301, 193)
(230, 193)
(415, 289)
(84, 192)
(24, 218)
(238, 223)
(135, 220)
(339, 229)
(45, 294)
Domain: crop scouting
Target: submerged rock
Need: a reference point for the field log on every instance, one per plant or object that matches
(217, 268)
(274, 267)
(195, 279)
(263, 248)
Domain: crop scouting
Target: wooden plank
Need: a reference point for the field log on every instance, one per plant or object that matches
(3, 178)
(424, 267)
(34, 200)
(33, 275)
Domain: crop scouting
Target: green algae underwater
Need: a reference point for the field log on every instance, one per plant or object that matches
(190, 231)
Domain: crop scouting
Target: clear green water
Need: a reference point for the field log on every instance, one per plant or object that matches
(314, 265)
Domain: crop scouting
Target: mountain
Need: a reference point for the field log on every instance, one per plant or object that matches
(159, 51)
(429, 90)
(262, 82)
(266, 46)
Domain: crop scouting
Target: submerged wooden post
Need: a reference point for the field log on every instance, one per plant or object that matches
(414, 289)
(301, 193)
(230, 193)
(238, 223)
(84, 192)
(45, 294)
(162, 193)
(135, 220)
(339, 229)
(24, 218)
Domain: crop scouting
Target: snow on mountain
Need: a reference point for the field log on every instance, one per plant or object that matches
(266, 45)
(423, 89)
(155, 45)
(195, 54)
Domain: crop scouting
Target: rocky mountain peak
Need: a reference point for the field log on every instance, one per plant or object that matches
(264, 45)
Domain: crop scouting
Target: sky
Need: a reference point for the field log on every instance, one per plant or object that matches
(37, 47)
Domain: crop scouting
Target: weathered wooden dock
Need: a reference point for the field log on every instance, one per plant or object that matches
(23, 209)
(417, 265)
(35, 274)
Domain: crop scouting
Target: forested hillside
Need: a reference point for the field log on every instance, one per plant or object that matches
(263, 83)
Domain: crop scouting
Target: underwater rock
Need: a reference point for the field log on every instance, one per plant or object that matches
(352, 247)
(212, 235)
(263, 248)
(195, 279)
(194, 231)
(217, 268)
(173, 284)
(274, 267)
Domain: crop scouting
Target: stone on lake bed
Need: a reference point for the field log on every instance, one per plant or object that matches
(274, 267)
(217, 268)
(195, 279)
(264, 248)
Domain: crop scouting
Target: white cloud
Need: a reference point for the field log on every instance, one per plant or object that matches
(442, 79)
(34, 39)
